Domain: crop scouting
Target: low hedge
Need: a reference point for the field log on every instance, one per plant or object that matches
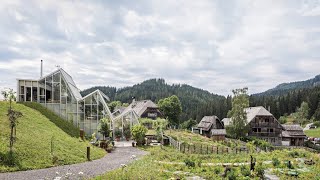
(63, 124)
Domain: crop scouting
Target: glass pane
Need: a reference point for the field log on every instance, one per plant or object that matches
(63, 88)
(56, 92)
(56, 77)
(21, 89)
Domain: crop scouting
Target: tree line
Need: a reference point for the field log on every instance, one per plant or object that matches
(197, 103)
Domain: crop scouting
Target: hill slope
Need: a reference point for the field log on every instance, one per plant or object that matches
(286, 87)
(33, 146)
(195, 102)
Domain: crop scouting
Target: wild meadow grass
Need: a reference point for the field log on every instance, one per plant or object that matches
(167, 162)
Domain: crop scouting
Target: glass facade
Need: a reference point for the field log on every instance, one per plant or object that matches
(58, 92)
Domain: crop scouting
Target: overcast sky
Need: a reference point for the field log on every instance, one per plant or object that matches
(213, 45)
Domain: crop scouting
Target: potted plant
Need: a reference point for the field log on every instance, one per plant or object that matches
(138, 133)
(109, 149)
(127, 133)
(104, 128)
(118, 134)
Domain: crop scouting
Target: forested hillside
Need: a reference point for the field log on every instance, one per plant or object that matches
(287, 103)
(284, 88)
(195, 102)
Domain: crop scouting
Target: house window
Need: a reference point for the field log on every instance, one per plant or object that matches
(266, 120)
(258, 129)
(254, 129)
(270, 130)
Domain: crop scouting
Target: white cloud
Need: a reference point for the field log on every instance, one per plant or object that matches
(214, 45)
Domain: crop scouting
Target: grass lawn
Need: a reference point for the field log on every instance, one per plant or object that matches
(32, 149)
(313, 132)
(166, 163)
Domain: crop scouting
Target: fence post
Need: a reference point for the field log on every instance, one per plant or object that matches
(88, 153)
(217, 150)
(207, 149)
(201, 149)
(227, 150)
(194, 148)
(236, 150)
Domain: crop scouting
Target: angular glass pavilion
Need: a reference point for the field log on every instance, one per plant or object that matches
(58, 92)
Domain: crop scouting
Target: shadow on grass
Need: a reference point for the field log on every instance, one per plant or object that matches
(9, 159)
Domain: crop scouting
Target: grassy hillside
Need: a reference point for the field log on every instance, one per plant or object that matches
(33, 146)
(64, 125)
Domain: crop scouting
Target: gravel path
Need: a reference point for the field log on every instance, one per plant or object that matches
(111, 161)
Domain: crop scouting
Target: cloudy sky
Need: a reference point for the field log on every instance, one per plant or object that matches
(213, 45)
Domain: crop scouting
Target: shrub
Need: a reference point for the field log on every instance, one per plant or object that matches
(217, 170)
(245, 171)
(104, 128)
(260, 169)
(117, 133)
(275, 162)
(189, 163)
(232, 175)
(138, 132)
(127, 132)
(294, 154)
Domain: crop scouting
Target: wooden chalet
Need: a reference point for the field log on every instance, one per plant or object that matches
(292, 135)
(263, 125)
(212, 127)
(144, 109)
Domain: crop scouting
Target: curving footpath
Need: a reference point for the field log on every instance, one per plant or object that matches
(114, 160)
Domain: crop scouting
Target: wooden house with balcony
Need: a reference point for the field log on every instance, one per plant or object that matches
(263, 125)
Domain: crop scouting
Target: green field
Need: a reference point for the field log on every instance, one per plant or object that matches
(313, 132)
(35, 134)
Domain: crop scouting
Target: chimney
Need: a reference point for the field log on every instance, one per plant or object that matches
(269, 108)
(41, 71)
(133, 99)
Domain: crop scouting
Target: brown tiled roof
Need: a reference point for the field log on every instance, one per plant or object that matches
(294, 130)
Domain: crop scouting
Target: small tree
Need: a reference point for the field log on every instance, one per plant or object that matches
(104, 128)
(138, 132)
(240, 101)
(171, 108)
(13, 116)
(302, 113)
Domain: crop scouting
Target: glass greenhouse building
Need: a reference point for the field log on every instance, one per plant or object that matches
(58, 92)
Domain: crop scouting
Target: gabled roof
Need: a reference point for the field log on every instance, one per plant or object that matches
(292, 127)
(208, 122)
(69, 81)
(139, 107)
(252, 112)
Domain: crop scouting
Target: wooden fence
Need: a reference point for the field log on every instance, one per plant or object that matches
(199, 148)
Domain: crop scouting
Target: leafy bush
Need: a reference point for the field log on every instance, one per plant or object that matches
(232, 175)
(260, 169)
(138, 132)
(245, 171)
(63, 124)
(189, 163)
(104, 128)
(117, 133)
(294, 154)
(275, 162)
(217, 170)
(127, 132)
